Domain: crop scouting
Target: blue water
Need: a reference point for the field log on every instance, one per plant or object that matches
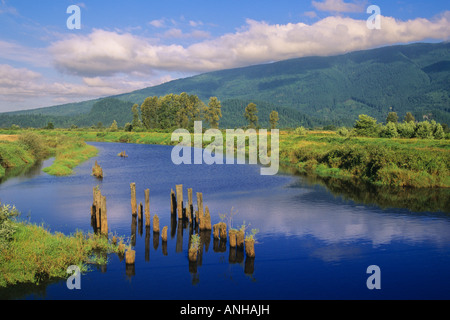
(311, 244)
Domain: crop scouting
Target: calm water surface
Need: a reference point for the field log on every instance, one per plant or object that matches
(312, 244)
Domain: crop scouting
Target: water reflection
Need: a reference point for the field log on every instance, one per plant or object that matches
(413, 199)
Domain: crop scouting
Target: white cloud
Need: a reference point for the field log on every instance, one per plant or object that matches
(338, 6)
(159, 23)
(105, 53)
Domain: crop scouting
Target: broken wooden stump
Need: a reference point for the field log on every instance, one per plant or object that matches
(199, 213)
(216, 231)
(164, 234)
(250, 247)
(205, 221)
(147, 207)
(232, 235)
(140, 213)
(130, 257)
(97, 171)
(122, 154)
(189, 207)
(155, 224)
(103, 217)
(240, 239)
(179, 190)
(172, 202)
(133, 199)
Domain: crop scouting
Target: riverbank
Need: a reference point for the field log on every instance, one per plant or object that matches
(31, 254)
(417, 163)
(22, 149)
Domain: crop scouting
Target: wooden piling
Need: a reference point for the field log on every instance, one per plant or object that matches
(250, 247)
(130, 257)
(155, 224)
(206, 220)
(199, 214)
(164, 234)
(147, 207)
(223, 231)
(179, 190)
(103, 217)
(133, 199)
(232, 236)
(216, 231)
(141, 208)
(240, 238)
(172, 202)
(189, 207)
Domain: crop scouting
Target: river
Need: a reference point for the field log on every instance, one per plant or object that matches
(312, 243)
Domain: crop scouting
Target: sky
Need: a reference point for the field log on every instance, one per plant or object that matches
(122, 46)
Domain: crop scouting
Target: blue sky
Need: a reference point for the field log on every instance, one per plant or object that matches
(127, 45)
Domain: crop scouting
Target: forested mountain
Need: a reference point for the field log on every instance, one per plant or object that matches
(307, 91)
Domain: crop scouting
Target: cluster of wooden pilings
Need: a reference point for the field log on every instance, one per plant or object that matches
(99, 219)
(184, 216)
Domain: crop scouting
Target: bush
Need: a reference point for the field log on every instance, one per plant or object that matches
(406, 129)
(424, 130)
(7, 227)
(366, 126)
(389, 130)
(33, 143)
(300, 131)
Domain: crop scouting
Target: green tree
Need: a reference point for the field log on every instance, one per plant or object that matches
(366, 126)
(250, 114)
(213, 113)
(409, 117)
(439, 132)
(50, 126)
(273, 119)
(149, 112)
(406, 129)
(114, 126)
(136, 123)
(389, 130)
(392, 117)
(424, 130)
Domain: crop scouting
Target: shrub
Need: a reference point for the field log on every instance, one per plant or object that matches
(406, 129)
(389, 130)
(7, 227)
(424, 130)
(34, 144)
(300, 131)
(366, 126)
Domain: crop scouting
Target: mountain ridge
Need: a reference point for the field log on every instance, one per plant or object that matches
(319, 89)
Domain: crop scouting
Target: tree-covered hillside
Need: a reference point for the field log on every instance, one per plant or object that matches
(314, 90)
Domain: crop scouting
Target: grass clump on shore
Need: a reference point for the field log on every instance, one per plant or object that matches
(31, 254)
(69, 152)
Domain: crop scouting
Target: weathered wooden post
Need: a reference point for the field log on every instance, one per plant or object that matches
(232, 236)
(172, 202)
(164, 234)
(199, 214)
(103, 218)
(141, 208)
(147, 207)
(130, 257)
(240, 239)
(223, 231)
(133, 198)
(216, 231)
(155, 224)
(179, 189)
(250, 247)
(206, 220)
(189, 207)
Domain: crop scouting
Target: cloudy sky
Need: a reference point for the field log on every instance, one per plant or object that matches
(128, 45)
